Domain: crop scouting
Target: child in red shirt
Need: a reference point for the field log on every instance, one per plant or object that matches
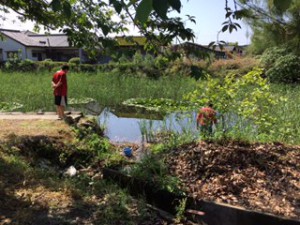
(60, 90)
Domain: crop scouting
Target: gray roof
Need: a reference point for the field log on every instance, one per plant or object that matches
(30, 39)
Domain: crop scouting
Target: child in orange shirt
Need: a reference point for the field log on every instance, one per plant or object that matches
(206, 119)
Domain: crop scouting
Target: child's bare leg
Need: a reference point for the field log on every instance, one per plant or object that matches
(60, 112)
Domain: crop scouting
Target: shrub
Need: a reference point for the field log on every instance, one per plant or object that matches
(161, 61)
(13, 61)
(27, 65)
(75, 60)
(184, 69)
(286, 69)
(49, 66)
(88, 68)
(270, 56)
(138, 58)
(123, 59)
(148, 60)
(240, 65)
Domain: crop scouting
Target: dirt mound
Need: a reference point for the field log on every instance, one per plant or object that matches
(258, 177)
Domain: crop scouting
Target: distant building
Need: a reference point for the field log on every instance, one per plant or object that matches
(198, 51)
(232, 50)
(37, 47)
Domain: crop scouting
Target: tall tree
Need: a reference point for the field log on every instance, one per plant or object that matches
(274, 23)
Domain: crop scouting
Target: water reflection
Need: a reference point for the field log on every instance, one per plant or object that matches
(134, 124)
(130, 125)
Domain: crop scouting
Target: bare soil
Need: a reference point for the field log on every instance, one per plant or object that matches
(20, 127)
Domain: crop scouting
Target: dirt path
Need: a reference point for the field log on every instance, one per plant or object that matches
(33, 116)
(32, 124)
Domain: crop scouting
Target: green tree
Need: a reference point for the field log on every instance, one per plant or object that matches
(88, 22)
(247, 97)
(274, 23)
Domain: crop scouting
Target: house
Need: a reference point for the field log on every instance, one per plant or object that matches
(198, 51)
(232, 49)
(36, 47)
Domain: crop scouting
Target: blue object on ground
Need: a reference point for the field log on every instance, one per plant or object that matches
(128, 151)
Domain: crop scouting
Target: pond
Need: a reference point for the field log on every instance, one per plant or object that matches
(132, 125)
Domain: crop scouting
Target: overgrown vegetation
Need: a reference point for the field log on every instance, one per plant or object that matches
(33, 191)
(281, 64)
(108, 89)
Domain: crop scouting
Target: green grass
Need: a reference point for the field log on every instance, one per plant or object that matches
(287, 127)
(34, 90)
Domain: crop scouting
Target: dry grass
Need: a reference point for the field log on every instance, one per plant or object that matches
(243, 65)
(50, 128)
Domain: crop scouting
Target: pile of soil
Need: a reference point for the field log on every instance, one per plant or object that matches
(260, 177)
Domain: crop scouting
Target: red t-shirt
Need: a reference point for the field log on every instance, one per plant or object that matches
(60, 76)
(206, 116)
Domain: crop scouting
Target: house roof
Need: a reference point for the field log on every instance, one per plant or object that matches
(131, 40)
(199, 47)
(31, 39)
(230, 48)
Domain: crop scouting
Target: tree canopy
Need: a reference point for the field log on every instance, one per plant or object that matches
(89, 22)
(274, 23)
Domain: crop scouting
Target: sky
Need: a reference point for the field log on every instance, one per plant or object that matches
(209, 16)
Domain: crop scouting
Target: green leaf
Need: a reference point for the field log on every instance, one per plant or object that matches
(143, 10)
(105, 29)
(228, 14)
(282, 5)
(176, 4)
(161, 7)
(117, 5)
(211, 44)
(67, 9)
(56, 5)
(224, 28)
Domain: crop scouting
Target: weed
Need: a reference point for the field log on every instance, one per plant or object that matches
(181, 210)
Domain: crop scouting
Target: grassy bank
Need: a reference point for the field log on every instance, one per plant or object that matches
(35, 190)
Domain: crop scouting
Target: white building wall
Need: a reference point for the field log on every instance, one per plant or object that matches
(9, 45)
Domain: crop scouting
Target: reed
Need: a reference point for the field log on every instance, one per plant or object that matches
(34, 91)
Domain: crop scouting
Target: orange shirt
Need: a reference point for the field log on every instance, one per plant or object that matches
(206, 116)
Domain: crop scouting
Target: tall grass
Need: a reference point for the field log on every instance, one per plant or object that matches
(34, 91)
(287, 127)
